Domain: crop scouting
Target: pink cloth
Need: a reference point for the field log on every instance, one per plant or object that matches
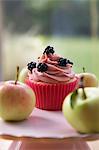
(42, 124)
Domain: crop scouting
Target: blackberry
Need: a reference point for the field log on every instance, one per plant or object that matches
(42, 67)
(69, 62)
(49, 50)
(31, 65)
(62, 62)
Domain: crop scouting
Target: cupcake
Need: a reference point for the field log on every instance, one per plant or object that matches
(52, 79)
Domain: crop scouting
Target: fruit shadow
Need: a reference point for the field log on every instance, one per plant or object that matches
(32, 122)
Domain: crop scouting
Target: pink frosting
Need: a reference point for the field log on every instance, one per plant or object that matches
(55, 73)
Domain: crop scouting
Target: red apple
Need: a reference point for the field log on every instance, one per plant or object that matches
(16, 101)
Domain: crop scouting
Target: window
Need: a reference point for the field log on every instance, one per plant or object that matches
(70, 26)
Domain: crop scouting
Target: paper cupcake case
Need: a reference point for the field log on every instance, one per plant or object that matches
(51, 96)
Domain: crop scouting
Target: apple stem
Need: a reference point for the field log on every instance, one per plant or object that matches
(84, 93)
(17, 74)
(84, 69)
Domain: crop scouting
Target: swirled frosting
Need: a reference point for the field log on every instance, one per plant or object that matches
(54, 73)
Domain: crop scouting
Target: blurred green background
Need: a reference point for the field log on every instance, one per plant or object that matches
(70, 26)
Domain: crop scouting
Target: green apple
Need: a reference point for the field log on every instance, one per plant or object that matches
(81, 109)
(23, 75)
(90, 79)
(17, 100)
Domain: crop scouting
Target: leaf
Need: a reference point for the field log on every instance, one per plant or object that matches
(72, 98)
